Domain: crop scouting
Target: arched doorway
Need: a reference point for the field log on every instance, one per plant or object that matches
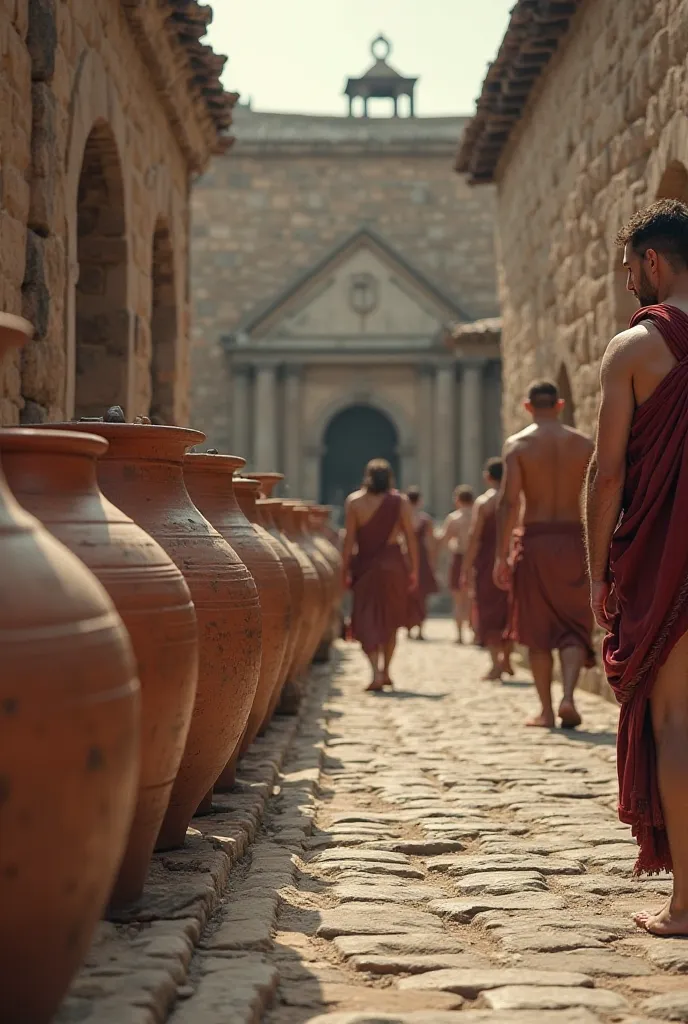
(568, 415)
(163, 328)
(102, 317)
(353, 437)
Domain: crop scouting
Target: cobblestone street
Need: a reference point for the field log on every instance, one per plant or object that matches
(423, 859)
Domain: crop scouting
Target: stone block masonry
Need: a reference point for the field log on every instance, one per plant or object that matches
(98, 139)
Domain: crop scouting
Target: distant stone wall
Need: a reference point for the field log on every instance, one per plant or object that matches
(94, 209)
(604, 133)
(261, 218)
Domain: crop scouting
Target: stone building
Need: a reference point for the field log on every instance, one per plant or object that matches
(581, 121)
(328, 256)
(107, 110)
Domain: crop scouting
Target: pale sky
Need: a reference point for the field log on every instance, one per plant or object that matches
(296, 54)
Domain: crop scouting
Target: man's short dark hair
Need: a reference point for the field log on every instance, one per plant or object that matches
(494, 469)
(543, 394)
(464, 494)
(378, 476)
(413, 495)
(662, 227)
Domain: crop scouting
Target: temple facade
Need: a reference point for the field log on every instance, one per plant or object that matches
(108, 108)
(330, 254)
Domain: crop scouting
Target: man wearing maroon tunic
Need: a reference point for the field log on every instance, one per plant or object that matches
(491, 603)
(454, 533)
(544, 471)
(637, 533)
(427, 584)
(377, 517)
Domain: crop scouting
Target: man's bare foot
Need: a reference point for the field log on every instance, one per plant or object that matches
(459, 639)
(386, 681)
(666, 922)
(569, 715)
(493, 676)
(507, 667)
(377, 684)
(541, 721)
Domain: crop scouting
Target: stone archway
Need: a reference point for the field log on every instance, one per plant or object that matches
(163, 327)
(353, 436)
(102, 318)
(568, 415)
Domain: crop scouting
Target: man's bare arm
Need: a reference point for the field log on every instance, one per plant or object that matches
(508, 500)
(349, 538)
(477, 523)
(410, 534)
(607, 470)
(445, 532)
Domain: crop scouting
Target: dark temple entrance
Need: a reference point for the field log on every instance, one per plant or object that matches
(353, 437)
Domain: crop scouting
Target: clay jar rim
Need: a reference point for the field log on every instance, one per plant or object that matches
(243, 483)
(62, 442)
(269, 479)
(209, 460)
(169, 447)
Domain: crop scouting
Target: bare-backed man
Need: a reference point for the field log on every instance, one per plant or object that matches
(544, 470)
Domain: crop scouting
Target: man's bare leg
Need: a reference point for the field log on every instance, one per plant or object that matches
(507, 651)
(541, 665)
(572, 661)
(669, 708)
(457, 599)
(387, 654)
(495, 672)
(374, 659)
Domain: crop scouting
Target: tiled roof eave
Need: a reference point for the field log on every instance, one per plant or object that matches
(535, 30)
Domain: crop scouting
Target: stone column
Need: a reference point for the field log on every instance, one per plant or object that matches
(471, 422)
(265, 418)
(241, 405)
(443, 461)
(292, 429)
(426, 381)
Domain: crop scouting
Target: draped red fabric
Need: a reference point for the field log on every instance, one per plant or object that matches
(491, 603)
(427, 584)
(649, 566)
(379, 577)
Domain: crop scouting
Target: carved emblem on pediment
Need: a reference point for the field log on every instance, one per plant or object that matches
(364, 293)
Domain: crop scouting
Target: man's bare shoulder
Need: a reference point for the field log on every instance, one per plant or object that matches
(577, 436)
(355, 497)
(482, 500)
(630, 344)
(516, 441)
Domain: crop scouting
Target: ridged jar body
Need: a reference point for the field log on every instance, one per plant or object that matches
(142, 473)
(69, 749)
(264, 510)
(53, 475)
(314, 592)
(326, 574)
(318, 520)
(210, 482)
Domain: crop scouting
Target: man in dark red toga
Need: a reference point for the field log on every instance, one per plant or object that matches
(637, 534)
(491, 603)
(544, 471)
(377, 517)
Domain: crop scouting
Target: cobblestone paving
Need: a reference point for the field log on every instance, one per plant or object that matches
(426, 859)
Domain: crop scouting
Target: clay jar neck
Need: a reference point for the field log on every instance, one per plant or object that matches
(285, 521)
(267, 481)
(56, 470)
(209, 481)
(265, 516)
(142, 463)
(246, 494)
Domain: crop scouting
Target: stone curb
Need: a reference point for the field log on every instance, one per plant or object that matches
(138, 965)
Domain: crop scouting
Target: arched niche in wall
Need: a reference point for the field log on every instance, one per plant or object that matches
(102, 318)
(568, 415)
(674, 182)
(163, 327)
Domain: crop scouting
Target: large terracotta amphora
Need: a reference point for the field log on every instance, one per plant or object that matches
(327, 577)
(263, 510)
(246, 493)
(142, 473)
(209, 479)
(69, 742)
(267, 481)
(314, 600)
(322, 536)
(53, 475)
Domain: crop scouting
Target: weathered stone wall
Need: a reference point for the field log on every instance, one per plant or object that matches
(603, 134)
(261, 218)
(77, 94)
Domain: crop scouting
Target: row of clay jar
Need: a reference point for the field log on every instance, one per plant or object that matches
(154, 613)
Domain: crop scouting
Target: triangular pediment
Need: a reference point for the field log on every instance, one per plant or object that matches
(362, 290)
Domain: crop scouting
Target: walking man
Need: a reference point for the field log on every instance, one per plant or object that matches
(637, 535)
(491, 603)
(377, 516)
(454, 533)
(544, 471)
(427, 584)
